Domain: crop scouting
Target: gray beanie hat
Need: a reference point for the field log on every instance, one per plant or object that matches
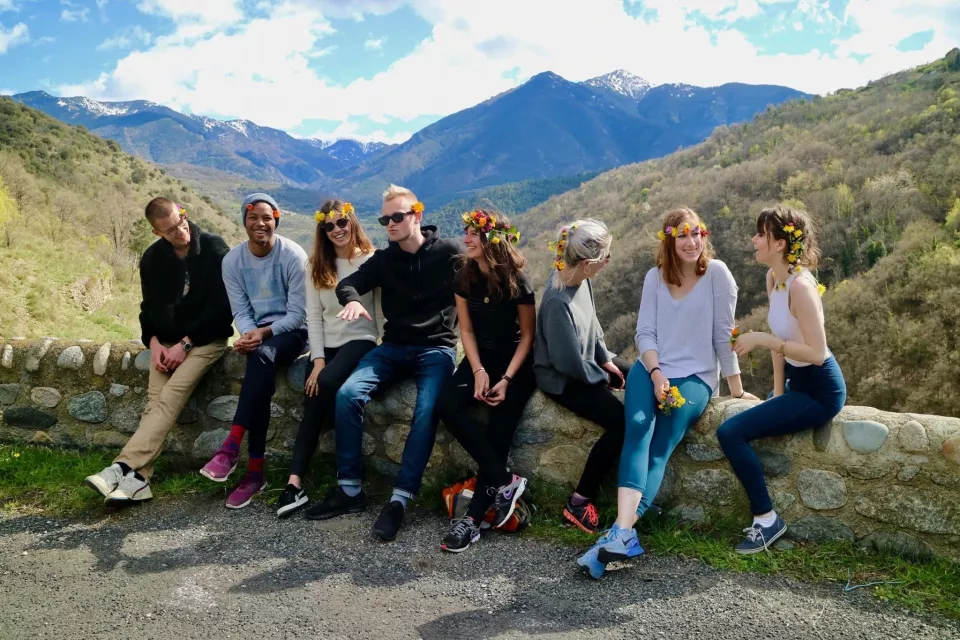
(253, 199)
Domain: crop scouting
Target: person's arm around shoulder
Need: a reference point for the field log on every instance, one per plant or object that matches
(351, 289)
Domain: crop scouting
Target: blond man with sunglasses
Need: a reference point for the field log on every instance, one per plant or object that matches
(185, 319)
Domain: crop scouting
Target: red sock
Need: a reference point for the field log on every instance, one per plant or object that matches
(235, 437)
(255, 465)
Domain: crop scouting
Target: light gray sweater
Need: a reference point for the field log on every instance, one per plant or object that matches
(569, 343)
(690, 335)
(324, 328)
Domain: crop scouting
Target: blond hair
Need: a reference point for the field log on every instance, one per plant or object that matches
(587, 241)
(395, 191)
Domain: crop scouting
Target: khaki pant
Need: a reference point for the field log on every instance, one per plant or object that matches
(167, 395)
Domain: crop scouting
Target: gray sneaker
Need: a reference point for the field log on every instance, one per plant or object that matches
(106, 481)
(131, 489)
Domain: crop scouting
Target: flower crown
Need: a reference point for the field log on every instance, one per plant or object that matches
(417, 207)
(676, 231)
(333, 214)
(490, 227)
(181, 210)
(276, 212)
(558, 247)
(794, 254)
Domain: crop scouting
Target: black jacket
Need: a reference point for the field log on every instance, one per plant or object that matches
(204, 312)
(416, 290)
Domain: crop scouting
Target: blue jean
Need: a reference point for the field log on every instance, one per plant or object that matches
(431, 367)
(813, 396)
(652, 436)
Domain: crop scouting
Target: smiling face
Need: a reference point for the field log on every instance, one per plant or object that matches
(173, 228)
(260, 224)
(766, 249)
(341, 236)
(688, 244)
(400, 231)
(474, 243)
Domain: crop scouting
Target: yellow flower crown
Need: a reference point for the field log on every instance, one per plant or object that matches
(676, 231)
(181, 210)
(333, 214)
(487, 224)
(794, 255)
(558, 247)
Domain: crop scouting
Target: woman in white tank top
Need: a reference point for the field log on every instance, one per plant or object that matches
(808, 386)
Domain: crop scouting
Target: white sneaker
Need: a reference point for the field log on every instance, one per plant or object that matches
(131, 489)
(106, 481)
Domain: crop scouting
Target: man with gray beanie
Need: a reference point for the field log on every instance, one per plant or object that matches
(264, 278)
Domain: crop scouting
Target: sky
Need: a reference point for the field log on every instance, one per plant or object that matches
(383, 69)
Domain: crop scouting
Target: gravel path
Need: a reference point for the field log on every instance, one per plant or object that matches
(185, 570)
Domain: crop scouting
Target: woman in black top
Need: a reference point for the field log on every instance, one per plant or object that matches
(495, 307)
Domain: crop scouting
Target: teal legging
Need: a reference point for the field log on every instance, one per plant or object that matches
(652, 436)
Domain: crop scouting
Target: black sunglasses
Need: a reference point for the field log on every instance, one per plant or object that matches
(342, 223)
(396, 217)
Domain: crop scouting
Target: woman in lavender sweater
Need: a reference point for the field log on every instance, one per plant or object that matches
(683, 333)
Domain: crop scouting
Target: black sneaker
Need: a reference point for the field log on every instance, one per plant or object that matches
(584, 516)
(291, 500)
(337, 503)
(505, 501)
(389, 521)
(463, 532)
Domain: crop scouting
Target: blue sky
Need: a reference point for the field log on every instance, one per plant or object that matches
(382, 69)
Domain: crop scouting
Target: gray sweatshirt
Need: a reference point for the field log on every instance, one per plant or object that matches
(569, 342)
(268, 290)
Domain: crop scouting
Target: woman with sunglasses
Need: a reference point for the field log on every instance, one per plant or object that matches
(336, 346)
(495, 306)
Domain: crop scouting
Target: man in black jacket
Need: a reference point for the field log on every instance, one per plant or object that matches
(415, 274)
(185, 319)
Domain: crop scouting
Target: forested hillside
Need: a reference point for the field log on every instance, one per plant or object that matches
(72, 228)
(879, 169)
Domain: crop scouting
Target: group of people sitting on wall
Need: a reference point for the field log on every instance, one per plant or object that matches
(371, 317)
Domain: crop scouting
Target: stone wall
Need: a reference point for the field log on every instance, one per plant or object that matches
(886, 480)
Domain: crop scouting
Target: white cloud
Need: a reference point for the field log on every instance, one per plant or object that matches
(258, 67)
(126, 39)
(75, 15)
(372, 44)
(9, 38)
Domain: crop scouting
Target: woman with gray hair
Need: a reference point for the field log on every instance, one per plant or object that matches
(571, 362)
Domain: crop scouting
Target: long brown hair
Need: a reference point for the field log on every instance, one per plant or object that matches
(504, 260)
(667, 259)
(324, 258)
(771, 222)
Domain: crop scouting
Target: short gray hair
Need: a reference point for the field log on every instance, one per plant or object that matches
(587, 240)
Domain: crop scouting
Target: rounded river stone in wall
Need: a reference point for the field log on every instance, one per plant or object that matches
(223, 408)
(9, 393)
(100, 359)
(865, 436)
(71, 358)
(142, 361)
(713, 486)
(819, 529)
(88, 407)
(822, 489)
(913, 437)
(46, 397)
(28, 418)
(704, 452)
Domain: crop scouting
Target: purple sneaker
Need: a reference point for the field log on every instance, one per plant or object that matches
(506, 500)
(251, 485)
(222, 464)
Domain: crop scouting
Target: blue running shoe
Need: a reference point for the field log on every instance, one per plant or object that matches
(624, 544)
(759, 538)
(590, 564)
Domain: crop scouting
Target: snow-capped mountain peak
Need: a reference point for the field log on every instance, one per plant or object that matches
(622, 82)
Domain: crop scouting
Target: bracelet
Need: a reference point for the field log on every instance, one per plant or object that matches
(741, 394)
(507, 378)
(782, 349)
(479, 370)
(656, 369)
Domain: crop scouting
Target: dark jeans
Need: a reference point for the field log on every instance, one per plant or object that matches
(597, 404)
(488, 447)
(318, 410)
(430, 367)
(259, 385)
(813, 396)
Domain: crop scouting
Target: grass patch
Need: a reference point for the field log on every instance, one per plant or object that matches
(38, 479)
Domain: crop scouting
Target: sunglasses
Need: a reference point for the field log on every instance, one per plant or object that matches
(396, 217)
(342, 223)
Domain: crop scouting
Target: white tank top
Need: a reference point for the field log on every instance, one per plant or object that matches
(781, 321)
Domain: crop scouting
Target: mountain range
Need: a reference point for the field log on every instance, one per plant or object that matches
(544, 128)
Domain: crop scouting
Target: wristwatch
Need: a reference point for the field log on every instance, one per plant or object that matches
(186, 346)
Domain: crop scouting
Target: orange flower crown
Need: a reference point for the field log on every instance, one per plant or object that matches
(417, 207)
(320, 217)
(558, 247)
(492, 229)
(276, 213)
(676, 231)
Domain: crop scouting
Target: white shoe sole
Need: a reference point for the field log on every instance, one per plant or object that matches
(97, 484)
(293, 506)
(140, 496)
(513, 503)
(249, 500)
(206, 475)
(769, 543)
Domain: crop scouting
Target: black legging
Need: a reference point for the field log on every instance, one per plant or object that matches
(318, 410)
(488, 447)
(596, 403)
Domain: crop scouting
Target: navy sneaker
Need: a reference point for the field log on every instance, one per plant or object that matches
(337, 503)
(389, 521)
(462, 534)
(585, 516)
(758, 538)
